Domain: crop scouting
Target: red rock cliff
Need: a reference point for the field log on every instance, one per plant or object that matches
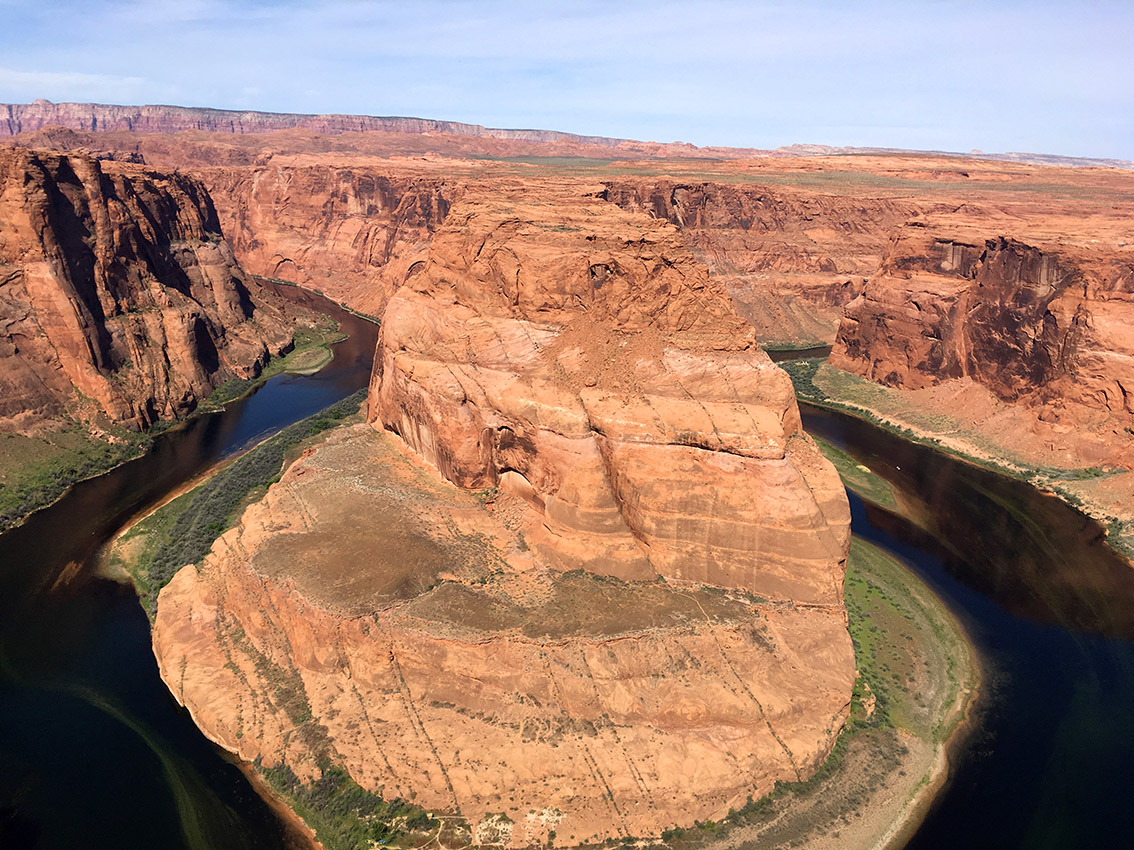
(559, 346)
(1033, 319)
(115, 283)
(352, 231)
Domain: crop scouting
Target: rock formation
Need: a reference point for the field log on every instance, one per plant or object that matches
(1035, 320)
(117, 286)
(351, 231)
(626, 614)
(577, 354)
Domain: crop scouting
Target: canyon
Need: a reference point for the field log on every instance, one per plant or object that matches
(580, 574)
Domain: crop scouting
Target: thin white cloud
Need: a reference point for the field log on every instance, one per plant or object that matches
(1041, 73)
(18, 85)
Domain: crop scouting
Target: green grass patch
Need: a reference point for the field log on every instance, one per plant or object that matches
(35, 471)
(857, 477)
(182, 531)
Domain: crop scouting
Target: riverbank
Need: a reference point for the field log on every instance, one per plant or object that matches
(37, 470)
(963, 420)
(919, 678)
(182, 528)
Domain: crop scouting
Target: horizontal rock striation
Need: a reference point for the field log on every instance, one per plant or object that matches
(117, 286)
(562, 348)
(1035, 321)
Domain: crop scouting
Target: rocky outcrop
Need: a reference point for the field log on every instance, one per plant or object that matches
(560, 347)
(117, 286)
(352, 231)
(368, 615)
(791, 259)
(618, 608)
(1034, 320)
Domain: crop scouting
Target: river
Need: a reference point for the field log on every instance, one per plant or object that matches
(95, 754)
(1050, 610)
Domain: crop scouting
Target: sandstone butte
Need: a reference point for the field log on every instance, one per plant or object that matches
(116, 286)
(582, 575)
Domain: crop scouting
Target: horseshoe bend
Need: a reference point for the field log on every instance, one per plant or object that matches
(580, 574)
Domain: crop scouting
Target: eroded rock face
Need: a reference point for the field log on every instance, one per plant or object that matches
(115, 283)
(574, 353)
(369, 614)
(352, 232)
(791, 259)
(1033, 320)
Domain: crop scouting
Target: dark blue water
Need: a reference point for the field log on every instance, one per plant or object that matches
(1051, 611)
(93, 751)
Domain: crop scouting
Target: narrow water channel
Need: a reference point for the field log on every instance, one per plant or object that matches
(94, 753)
(1051, 611)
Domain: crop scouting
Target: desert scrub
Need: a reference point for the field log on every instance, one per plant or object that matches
(182, 531)
(35, 471)
(346, 816)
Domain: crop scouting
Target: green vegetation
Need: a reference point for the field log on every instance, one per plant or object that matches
(345, 816)
(857, 477)
(182, 531)
(35, 471)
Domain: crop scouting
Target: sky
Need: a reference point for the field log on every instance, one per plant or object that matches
(1038, 76)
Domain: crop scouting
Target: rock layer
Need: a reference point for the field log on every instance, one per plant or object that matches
(1037, 321)
(116, 285)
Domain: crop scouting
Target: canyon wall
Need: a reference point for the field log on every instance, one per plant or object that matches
(351, 230)
(117, 286)
(1034, 319)
(791, 258)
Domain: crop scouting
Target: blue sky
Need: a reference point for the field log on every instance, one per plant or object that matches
(943, 74)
